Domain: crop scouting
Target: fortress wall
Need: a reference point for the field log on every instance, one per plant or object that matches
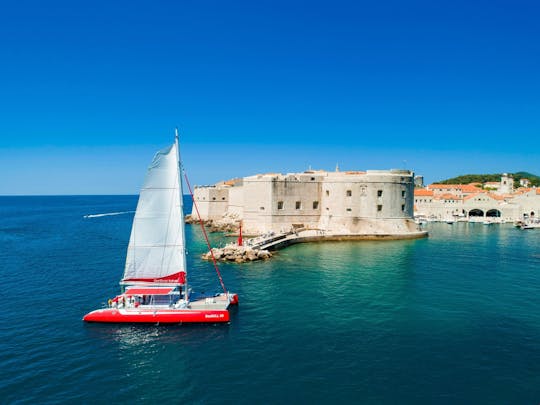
(257, 204)
(212, 201)
(373, 202)
(276, 202)
(236, 201)
(295, 200)
(351, 202)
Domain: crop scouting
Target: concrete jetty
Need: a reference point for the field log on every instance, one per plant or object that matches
(261, 247)
(278, 241)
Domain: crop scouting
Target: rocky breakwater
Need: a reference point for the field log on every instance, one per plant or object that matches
(214, 226)
(237, 254)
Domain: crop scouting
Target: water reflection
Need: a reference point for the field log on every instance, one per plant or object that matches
(134, 336)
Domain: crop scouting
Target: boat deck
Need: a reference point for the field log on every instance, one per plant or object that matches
(218, 302)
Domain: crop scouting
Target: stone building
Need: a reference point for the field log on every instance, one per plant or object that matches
(497, 201)
(374, 202)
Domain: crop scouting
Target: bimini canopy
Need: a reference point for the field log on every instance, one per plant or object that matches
(149, 291)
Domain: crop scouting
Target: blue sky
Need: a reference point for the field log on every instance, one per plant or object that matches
(90, 90)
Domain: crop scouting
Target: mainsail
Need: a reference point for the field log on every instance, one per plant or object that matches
(156, 251)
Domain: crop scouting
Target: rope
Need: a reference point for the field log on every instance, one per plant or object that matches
(205, 235)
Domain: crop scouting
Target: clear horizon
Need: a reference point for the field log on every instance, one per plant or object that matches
(186, 194)
(93, 90)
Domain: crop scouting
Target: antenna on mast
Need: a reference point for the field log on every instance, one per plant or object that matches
(176, 133)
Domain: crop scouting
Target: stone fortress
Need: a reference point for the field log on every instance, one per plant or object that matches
(373, 204)
(492, 201)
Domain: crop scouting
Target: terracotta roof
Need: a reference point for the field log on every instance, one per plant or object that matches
(446, 186)
(469, 188)
(231, 182)
(422, 192)
(448, 196)
(496, 196)
(470, 196)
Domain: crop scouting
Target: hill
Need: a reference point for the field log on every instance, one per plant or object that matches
(483, 178)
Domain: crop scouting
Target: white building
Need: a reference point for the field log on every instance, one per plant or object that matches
(497, 201)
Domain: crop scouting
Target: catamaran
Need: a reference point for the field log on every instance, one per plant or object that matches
(154, 288)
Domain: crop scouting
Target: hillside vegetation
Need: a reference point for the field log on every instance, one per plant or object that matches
(484, 178)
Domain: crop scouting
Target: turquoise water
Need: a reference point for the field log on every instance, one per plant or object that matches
(454, 318)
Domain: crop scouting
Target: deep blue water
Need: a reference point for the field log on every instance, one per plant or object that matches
(454, 318)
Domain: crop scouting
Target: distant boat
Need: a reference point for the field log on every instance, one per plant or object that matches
(154, 288)
(530, 225)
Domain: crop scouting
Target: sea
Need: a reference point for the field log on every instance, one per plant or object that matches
(450, 319)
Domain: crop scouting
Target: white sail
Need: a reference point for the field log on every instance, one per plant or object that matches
(156, 251)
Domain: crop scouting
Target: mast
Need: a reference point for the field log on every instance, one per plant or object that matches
(182, 226)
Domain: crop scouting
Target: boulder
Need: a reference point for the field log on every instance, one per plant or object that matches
(237, 254)
(264, 254)
(251, 255)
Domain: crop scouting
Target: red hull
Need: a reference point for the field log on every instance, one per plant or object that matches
(113, 315)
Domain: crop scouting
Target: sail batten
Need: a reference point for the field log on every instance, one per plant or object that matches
(157, 244)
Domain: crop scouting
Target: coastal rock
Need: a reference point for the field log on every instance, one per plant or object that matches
(263, 254)
(251, 256)
(221, 227)
(227, 223)
(237, 254)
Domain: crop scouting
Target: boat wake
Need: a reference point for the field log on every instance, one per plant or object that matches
(107, 214)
